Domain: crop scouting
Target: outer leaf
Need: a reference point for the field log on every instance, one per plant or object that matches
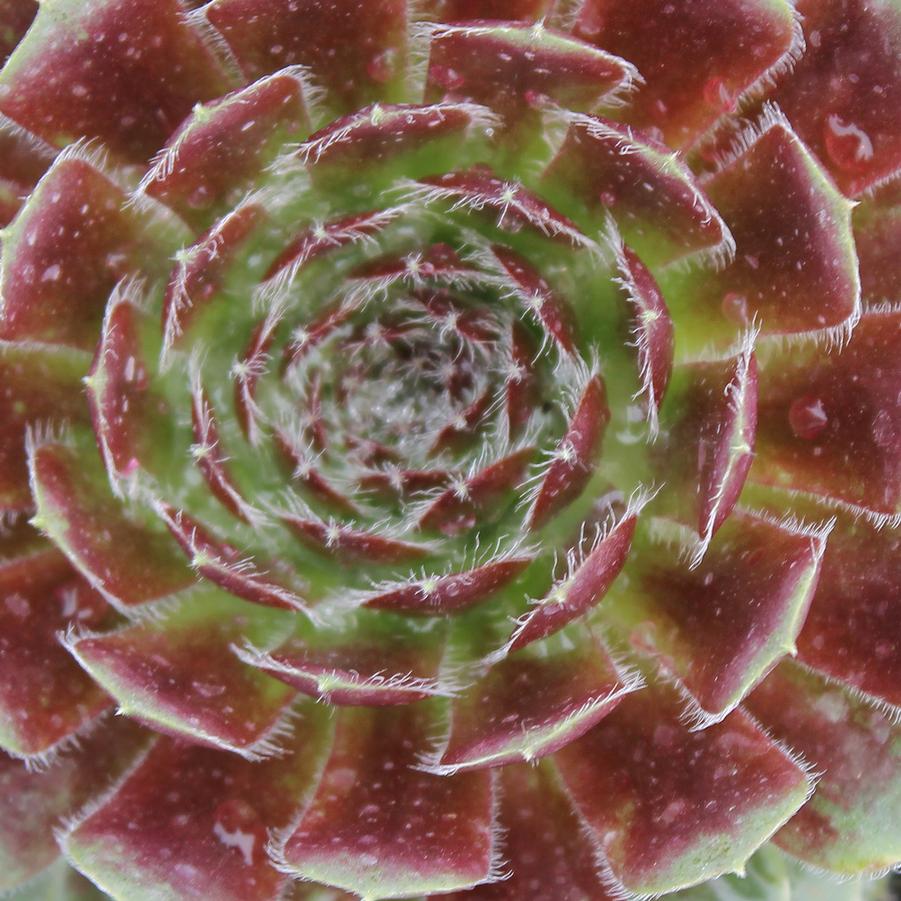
(583, 586)
(877, 237)
(650, 325)
(451, 592)
(32, 803)
(832, 94)
(830, 423)
(719, 628)
(41, 384)
(382, 829)
(128, 416)
(547, 851)
(696, 61)
(708, 429)
(225, 566)
(513, 67)
(356, 52)
(200, 270)
(127, 562)
(44, 699)
(669, 808)
(657, 204)
(376, 661)
(851, 631)
(850, 825)
(575, 458)
(181, 676)
(126, 71)
(313, 242)
(189, 822)
(795, 268)
(387, 141)
(221, 146)
(511, 207)
(55, 290)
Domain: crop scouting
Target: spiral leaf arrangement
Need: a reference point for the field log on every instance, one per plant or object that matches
(461, 440)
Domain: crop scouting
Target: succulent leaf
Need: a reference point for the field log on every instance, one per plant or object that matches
(460, 442)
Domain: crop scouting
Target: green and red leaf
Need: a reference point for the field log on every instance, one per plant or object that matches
(848, 827)
(188, 821)
(218, 150)
(380, 827)
(842, 92)
(829, 424)
(719, 628)
(697, 61)
(126, 72)
(532, 703)
(41, 385)
(34, 802)
(128, 562)
(355, 52)
(69, 246)
(708, 427)
(378, 661)
(668, 808)
(181, 676)
(44, 700)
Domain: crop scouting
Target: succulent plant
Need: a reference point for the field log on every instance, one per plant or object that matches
(461, 441)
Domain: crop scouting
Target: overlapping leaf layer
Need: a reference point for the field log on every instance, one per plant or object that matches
(462, 442)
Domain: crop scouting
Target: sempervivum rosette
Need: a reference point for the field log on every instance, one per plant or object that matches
(461, 440)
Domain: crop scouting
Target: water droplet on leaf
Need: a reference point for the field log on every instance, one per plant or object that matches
(848, 145)
(807, 417)
(717, 94)
(735, 307)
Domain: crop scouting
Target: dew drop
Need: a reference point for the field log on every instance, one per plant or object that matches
(716, 93)
(381, 67)
(199, 198)
(883, 430)
(848, 145)
(448, 78)
(18, 605)
(735, 307)
(607, 198)
(643, 637)
(665, 736)
(237, 825)
(807, 417)
(537, 99)
(208, 689)
(591, 22)
(672, 811)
